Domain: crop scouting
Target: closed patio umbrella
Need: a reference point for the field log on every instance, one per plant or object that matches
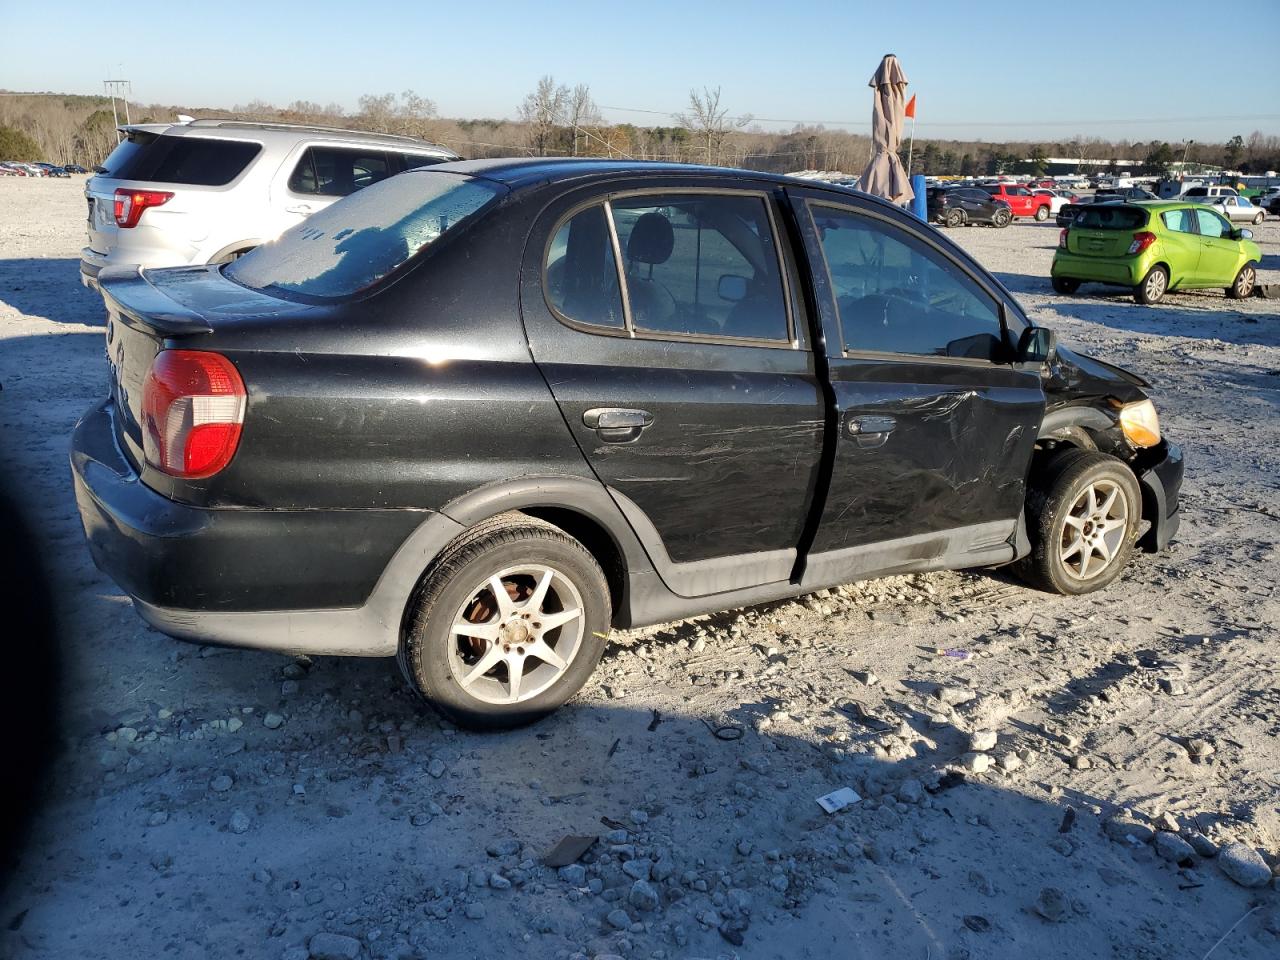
(885, 176)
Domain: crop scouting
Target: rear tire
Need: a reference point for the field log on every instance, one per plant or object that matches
(1242, 287)
(955, 218)
(1042, 214)
(1065, 285)
(1153, 286)
(1001, 219)
(1083, 511)
(542, 637)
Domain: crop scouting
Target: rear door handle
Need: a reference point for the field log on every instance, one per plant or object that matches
(617, 424)
(301, 208)
(868, 431)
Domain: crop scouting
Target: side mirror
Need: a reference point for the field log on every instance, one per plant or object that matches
(1037, 345)
(1244, 234)
(732, 288)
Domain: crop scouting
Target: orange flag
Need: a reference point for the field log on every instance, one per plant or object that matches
(911, 107)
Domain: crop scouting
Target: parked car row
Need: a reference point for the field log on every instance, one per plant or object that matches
(15, 168)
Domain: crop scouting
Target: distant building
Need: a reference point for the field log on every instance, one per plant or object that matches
(1056, 166)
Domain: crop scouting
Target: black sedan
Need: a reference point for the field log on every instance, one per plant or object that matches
(477, 414)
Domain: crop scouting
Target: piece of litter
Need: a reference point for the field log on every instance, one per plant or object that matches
(954, 652)
(837, 800)
(569, 850)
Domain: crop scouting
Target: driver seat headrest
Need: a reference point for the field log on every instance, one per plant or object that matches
(651, 240)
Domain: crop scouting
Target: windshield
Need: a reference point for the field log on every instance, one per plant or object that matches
(357, 241)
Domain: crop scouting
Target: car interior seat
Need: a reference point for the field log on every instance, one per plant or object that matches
(651, 243)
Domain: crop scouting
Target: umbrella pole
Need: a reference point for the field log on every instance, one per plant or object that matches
(911, 145)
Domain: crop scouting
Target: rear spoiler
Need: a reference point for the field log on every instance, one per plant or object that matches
(142, 306)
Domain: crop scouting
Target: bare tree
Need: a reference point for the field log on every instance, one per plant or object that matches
(710, 122)
(583, 113)
(541, 111)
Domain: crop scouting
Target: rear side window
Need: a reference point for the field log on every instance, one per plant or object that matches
(1106, 216)
(581, 272)
(349, 246)
(895, 294)
(409, 161)
(336, 172)
(197, 161)
(703, 265)
(1179, 221)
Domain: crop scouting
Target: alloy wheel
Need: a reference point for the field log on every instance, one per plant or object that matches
(1155, 285)
(1094, 529)
(1244, 283)
(516, 634)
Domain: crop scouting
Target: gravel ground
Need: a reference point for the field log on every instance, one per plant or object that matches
(1092, 777)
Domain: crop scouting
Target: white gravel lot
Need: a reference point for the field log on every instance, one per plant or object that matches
(178, 824)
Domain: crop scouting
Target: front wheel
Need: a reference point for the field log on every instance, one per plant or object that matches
(508, 624)
(1001, 218)
(1042, 213)
(1242, 287)
(1065, 285)
(955, 218)
(1083, 511)
(1257, 219)
(1153, 286)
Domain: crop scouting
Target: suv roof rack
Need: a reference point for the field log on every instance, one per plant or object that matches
(306, 127)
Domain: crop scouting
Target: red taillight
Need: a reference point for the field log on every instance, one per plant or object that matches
(131, 203)
(1141, 241)
(1062, 239)
(192, 410)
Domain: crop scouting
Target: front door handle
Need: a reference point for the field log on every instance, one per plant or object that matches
(617, 424)
(868, 431)
(302, 208)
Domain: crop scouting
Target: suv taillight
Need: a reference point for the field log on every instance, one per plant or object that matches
(192, 411)
(130, 204)
(1141, 241)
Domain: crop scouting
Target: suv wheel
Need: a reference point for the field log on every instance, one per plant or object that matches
(1242, 287)
(508, 625)
(1065, 284)
(1083, 511)
(1153, 286)
(1042, 213)
(1001, 218)
(955, 218)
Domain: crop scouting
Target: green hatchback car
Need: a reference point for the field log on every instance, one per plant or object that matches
(1153, 247)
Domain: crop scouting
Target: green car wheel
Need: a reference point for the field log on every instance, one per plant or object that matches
(1153, 286)
(1065, 285)
(1246, 280)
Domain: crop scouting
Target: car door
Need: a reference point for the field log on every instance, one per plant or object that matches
(665, 322)
(1019, 201)
(936, 426)
(1181, 244)
(1219, 253)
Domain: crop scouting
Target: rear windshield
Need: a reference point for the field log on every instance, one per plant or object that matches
(349, 246)
(199, 161)
(1104, 216)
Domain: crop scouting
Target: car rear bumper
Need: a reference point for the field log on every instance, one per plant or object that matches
(1125, 271)
(301, 581)
(1160, 472)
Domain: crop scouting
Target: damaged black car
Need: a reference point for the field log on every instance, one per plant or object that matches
(477, 414)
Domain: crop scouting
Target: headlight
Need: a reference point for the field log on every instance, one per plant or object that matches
(1140, 424)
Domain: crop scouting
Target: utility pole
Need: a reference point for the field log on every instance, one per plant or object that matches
(121, 89)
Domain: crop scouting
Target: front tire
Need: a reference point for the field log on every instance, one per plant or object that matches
(1242, 287)
(1001, 219)
(1258, 219)
(955, 218)
(507, 625)
(1083, 511)
(1042, 214)
(1153, 286)
(1065, 285)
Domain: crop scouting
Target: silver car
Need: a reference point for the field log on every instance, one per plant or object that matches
(207, 191)
(1235, 208)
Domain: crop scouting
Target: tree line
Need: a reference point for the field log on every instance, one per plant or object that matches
(557, 119)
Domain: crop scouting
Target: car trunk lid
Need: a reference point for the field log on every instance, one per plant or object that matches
(1105, 230)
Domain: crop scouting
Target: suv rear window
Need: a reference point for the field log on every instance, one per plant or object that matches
(1105, 216)
(349, 246)
(197, 161)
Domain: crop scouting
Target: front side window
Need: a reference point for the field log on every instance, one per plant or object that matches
(895, 294)
(350, 245)
(582, 273)
(1211, 224)
(703, 265)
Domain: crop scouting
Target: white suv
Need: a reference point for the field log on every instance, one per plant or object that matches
(207, 191)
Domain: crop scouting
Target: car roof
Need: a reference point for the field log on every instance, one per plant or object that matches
(524, 172)
(280, 133)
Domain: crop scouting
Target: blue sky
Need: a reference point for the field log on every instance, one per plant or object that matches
(992, 71)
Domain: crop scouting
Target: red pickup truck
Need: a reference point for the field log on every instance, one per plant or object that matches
(1022, 202)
